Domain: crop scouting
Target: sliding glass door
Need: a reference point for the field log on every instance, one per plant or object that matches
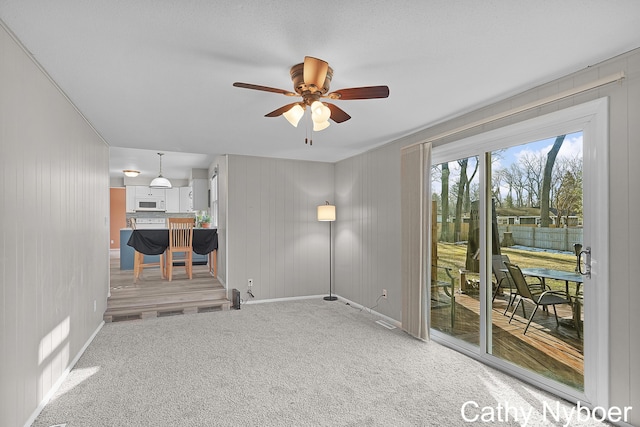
(515, 227)
(456, 254)
(537, 220)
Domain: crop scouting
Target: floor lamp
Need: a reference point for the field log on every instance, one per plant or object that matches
(327, 212)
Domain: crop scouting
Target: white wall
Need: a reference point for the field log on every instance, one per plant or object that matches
(273, 236)
(54, 251)
(360, 270)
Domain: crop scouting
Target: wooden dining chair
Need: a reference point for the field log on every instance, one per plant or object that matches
(180, 242)
(139, 262)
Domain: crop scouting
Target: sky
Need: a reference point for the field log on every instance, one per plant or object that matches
(571, 147)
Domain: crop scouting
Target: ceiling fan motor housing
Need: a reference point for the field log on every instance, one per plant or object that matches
(309, 92)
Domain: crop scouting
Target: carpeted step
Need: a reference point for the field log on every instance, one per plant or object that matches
(114, 314)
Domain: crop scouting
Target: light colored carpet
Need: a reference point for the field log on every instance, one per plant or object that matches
(293, 363)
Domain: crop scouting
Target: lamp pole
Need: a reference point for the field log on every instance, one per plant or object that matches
(327, 212)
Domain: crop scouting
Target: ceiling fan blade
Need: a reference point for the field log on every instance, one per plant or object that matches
(281, 110)
(315, 71)
(368, 92)
(264, 88)
(337, 114)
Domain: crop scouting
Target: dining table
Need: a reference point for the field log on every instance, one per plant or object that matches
(156, 242)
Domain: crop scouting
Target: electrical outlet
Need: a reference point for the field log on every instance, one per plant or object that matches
(250, 283)
(384, 293)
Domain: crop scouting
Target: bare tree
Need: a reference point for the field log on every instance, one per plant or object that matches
(545, 220)
(515, 178)
(444, 233)
(469, 180)
(532, 165)
(569, 196)
(462, 183)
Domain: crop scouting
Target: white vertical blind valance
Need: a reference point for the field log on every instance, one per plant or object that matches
(415, 219)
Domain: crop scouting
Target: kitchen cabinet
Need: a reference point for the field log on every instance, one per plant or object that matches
(144, 191)
(200, 189)
(130, 198)
(186, 201)
(172, 202)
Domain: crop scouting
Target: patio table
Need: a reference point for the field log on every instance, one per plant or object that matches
(547, 273)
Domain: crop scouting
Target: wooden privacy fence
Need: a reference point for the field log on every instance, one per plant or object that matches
(559, 239)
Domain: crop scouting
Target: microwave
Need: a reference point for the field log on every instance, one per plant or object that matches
(150, 204)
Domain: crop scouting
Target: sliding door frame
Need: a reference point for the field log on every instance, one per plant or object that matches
(592, 119)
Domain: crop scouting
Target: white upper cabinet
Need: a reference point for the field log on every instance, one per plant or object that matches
(186, 199)
(172, 202)
(143, 191)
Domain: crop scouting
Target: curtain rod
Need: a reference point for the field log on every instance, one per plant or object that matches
(564, 94)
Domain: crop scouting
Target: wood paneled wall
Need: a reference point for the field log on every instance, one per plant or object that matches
(273, 235)
(54, 251)
(368, 229)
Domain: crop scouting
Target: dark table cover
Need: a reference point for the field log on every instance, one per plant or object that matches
(155, 242)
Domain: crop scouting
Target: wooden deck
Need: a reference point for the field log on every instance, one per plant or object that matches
(555, 352)
(153, 296)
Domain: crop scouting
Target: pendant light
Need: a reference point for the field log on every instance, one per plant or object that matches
(160, 181)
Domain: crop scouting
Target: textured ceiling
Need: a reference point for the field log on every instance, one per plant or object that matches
(157, 75)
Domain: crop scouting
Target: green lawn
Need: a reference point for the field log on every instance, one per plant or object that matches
(454, 255)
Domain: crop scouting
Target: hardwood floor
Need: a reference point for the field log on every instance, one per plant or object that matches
(555, 352)
(154, 296)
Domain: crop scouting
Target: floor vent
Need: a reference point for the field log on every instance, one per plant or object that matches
(123, 319)
(385, 324)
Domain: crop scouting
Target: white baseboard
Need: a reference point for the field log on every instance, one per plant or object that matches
(60, 380)
(387, 319)
(260, 301)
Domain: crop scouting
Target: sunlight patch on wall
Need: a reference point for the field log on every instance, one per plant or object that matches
(53, 340)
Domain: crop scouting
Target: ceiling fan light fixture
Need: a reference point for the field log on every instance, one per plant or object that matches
(318, 126)
(160, 181)
(320, 113)
(294, 114)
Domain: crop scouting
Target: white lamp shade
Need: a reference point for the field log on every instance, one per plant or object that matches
(131, 173)
(294, 114)
(326, 213)
(160, 182)
(319, 126)
(319, 112)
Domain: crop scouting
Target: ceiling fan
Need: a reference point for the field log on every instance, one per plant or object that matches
(311, 80)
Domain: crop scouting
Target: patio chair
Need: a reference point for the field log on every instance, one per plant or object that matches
(448, 287)
(503, 280)
(578, 302)
(542, 298)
